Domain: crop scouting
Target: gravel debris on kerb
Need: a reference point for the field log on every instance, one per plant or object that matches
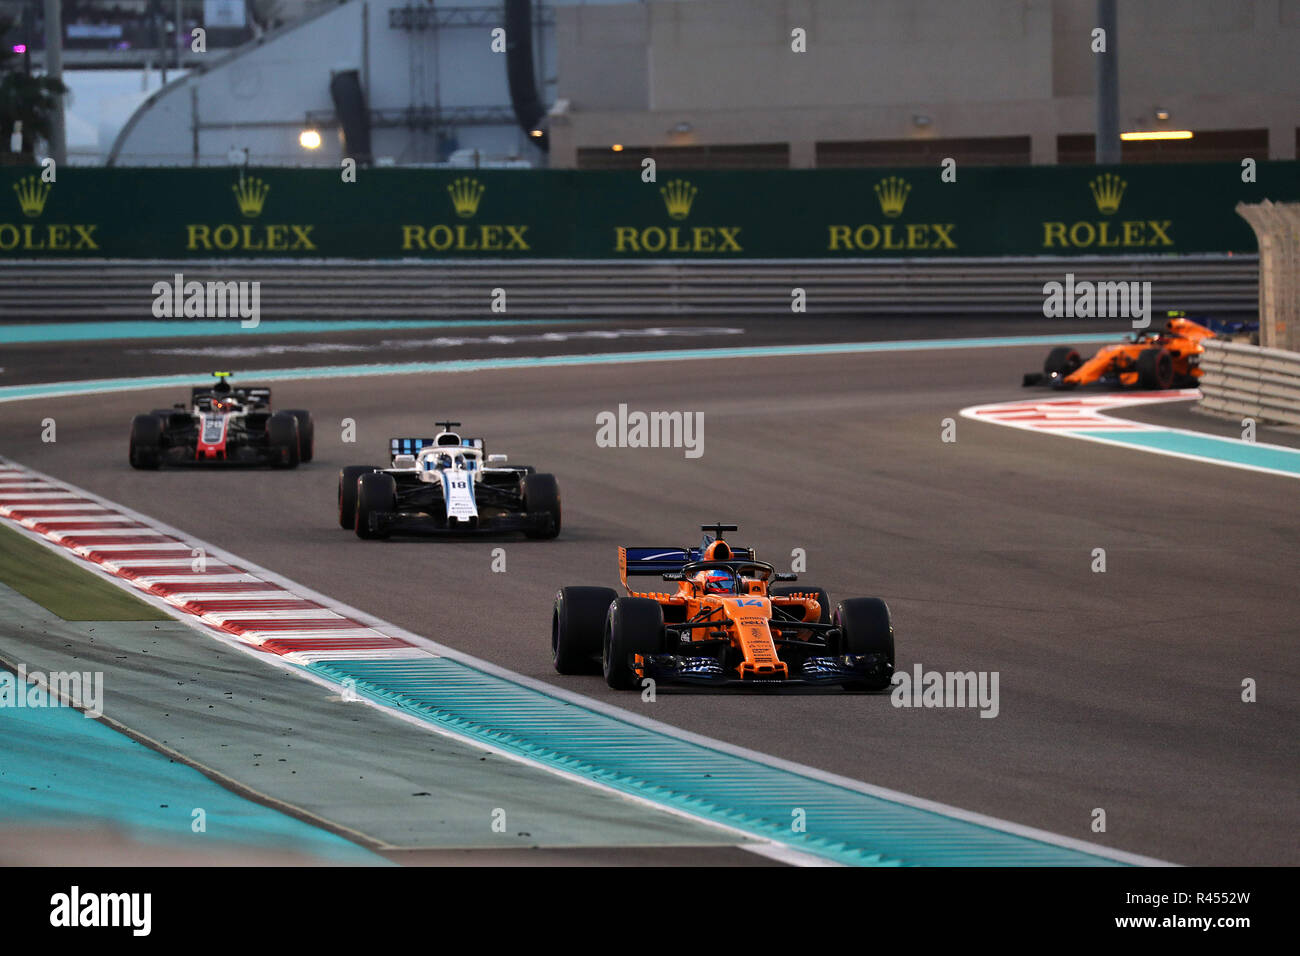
(845, 825)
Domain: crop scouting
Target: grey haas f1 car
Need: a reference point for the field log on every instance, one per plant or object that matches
(724, 625)
(222, 424)
(447, 485)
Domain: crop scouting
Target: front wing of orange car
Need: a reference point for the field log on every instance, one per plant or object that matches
(870, 670)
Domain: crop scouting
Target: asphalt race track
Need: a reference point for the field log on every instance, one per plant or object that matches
(1118, 690)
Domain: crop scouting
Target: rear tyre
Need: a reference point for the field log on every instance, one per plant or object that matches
(632, 626)
(541, 494)
(306, 434)
(578, 628)
(282, 440)
(348, 477)
(145, 449)
(865, 628)
(375, 492)
(1061, 360)
(1155, 368)
(822, 598)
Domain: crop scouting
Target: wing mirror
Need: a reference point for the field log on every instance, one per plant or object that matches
(497, 459)
(674, 576)
(783, 576)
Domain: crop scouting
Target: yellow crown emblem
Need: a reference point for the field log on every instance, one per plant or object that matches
(1107, 191)
(892, 192)
(678, 196)
(465, 195)
(32, 194)
(251, 195)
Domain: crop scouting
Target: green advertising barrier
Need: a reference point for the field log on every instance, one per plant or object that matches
(571, 214)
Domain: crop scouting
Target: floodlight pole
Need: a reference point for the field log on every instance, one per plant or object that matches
(54, 70)
(1107, 63)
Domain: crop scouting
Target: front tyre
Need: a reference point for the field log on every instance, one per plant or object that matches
(145, 449)
(376, 492)
(541, 495)
(1062, 361)
(348, 478)
(865, 628)
(632, 626)
(578, 628)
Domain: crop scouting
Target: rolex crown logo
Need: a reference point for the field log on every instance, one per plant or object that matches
(892, 192)
(32, 194)
(1107, 191)
(465, 195)
(251, 195)
(678, 195)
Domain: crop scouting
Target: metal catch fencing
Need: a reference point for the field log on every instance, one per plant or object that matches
(120, 289)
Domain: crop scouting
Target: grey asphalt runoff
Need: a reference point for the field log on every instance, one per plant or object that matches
(1119, 691)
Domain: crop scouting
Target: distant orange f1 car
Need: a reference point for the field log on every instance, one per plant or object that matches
(724, 625)
(1151, 360)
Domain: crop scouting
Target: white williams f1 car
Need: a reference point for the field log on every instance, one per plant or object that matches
(447, 485)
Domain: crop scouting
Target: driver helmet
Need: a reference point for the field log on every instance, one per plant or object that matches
(719, 582)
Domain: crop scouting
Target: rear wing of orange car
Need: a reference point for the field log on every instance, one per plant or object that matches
(653, 562)
(1180, 325)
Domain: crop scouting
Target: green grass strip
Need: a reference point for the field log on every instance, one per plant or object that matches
(58, 585)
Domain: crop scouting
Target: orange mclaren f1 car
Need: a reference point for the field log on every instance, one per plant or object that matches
(1151, 360)
(724, 625)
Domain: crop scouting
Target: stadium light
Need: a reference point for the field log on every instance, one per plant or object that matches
(309, 139)
(1149, 134)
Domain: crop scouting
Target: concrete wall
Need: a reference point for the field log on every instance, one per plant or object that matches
(974, 68)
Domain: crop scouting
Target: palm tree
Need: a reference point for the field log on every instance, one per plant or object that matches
(26, 99)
